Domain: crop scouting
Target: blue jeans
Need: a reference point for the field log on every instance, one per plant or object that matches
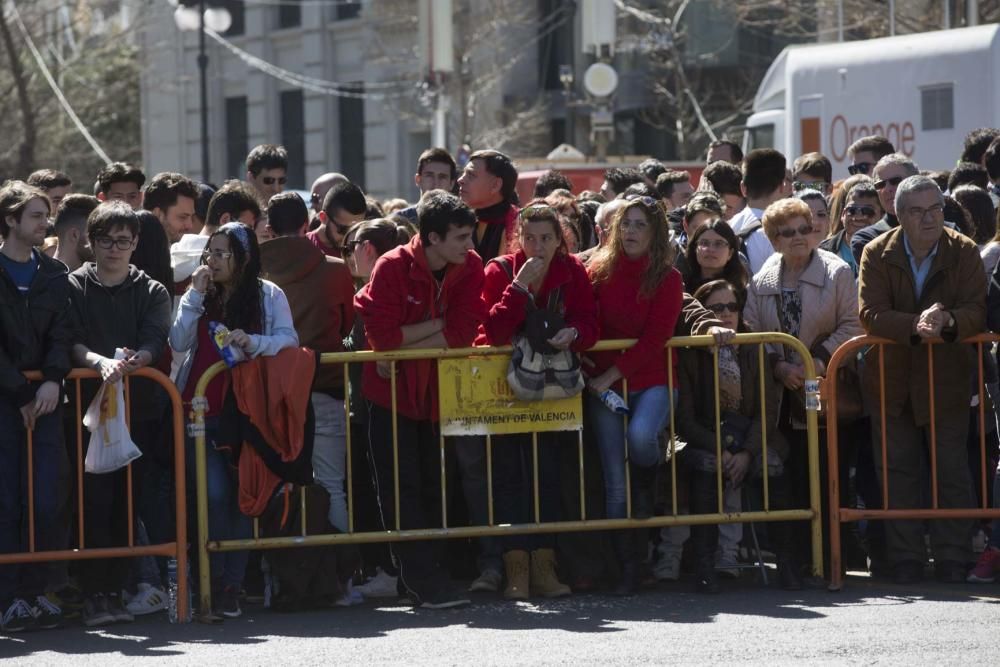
(225, 520)
(650, 414)
(49, 458)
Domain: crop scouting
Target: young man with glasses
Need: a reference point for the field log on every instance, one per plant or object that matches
(890, 171)
(343, 207)
(267, 169)
(114, 305)
(812, 171)
(865, 153)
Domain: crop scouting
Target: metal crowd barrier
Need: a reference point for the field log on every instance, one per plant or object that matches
(812, 514)
(840, 515)
(176, 549)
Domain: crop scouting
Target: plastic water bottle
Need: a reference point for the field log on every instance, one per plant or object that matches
(172, 594)
(614, 402)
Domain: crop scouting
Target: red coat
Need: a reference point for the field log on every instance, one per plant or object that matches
(507, 305)
(626, 314)
(403, 291)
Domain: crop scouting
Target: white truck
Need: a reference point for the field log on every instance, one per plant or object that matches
(924, 92)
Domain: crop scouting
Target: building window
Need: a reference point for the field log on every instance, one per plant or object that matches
(236, 137)
(348, 10)
(238, 11)
(937, 107)
(352, 136)
(290, 14)
(293, 136)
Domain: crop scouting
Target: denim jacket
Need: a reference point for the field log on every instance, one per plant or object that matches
(278, 331)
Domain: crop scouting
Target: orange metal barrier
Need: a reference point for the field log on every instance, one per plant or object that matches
(176, 549)
(840, 515)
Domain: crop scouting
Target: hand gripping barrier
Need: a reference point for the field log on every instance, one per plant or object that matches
(176, 549)
(840, 515)
(812, 514)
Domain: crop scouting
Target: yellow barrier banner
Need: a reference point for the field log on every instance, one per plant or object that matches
(476, 400)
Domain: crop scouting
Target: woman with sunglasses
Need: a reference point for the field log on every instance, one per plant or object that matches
(738, 432)
(713, 253)
(639, 295)
(859, 209)
(363, 245)
(542, 272)
(807, 293)
(227, 288)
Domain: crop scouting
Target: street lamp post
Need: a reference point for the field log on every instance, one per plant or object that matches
(187, 19)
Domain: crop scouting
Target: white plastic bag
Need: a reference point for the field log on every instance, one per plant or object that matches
(111, 446)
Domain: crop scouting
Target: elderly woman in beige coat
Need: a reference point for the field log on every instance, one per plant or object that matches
(807, 293)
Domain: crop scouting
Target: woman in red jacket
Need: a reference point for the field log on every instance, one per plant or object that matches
(541, 268)
(639, 295)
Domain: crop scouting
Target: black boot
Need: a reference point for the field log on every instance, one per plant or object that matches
(643, 492)
(624, 546)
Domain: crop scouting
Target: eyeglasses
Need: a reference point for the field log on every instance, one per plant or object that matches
(720, 308)
(790, 232)
(217, 255)
(894, 181)
(105, 243)
(860, 168)
(269, 180)
(863, 211)
(349, 248)
(707, 244)
(921, 213)
(819, 186)
(645, 200)
(637, 225)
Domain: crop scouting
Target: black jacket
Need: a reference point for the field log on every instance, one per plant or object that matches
(135, 314)
(866, 235)
(35, 329)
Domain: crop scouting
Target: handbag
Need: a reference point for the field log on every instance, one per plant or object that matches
(537, 371)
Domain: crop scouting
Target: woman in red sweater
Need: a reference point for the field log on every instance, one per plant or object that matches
(541, 268)
(639, 295)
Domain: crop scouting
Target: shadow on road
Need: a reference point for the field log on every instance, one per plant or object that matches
(669, 604)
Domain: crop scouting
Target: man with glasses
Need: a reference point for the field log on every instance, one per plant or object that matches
(890, 171)
(812, 171)
(865, 153)
(267, 169)
(343, 207)
(114, 305)
(918, 282)
(121, 181)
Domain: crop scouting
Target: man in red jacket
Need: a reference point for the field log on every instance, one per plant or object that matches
(425, 294)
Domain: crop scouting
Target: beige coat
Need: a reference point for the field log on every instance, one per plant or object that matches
(829, 304)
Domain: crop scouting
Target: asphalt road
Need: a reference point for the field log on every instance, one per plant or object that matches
(867, 622)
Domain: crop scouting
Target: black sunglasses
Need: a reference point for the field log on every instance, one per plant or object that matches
(860, 168)
(269, 180)
(790, 232)
(719, 308)
(894, 181)
(349, 248)
(645, 200)
(866, 211)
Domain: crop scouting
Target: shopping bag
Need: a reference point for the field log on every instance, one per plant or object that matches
(110, 446)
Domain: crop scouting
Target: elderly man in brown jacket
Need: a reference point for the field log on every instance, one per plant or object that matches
(919, 282)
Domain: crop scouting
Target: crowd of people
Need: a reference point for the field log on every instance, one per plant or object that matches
(175, 275)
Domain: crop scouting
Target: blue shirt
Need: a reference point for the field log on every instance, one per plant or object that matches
(919, 273)
(22, 273)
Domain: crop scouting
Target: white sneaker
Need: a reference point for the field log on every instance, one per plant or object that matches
(149, 600)
(382, 585)
(350, 597)
(667, 567)
(487, 582)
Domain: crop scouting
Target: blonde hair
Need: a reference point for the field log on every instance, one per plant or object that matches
(661, 247)
(782, 211)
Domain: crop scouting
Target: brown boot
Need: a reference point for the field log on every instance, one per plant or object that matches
(543, 575)
(516, 565)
